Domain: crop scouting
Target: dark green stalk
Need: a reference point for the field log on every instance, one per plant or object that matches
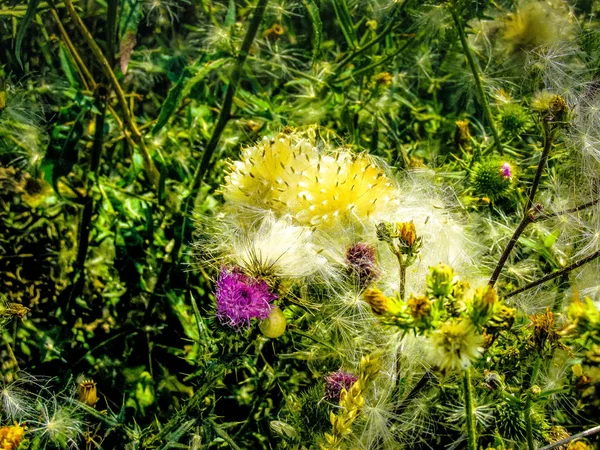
(475, 71)
(527, 219)
(470, 410)
(225, 114)
(548, 140)
(88, 208)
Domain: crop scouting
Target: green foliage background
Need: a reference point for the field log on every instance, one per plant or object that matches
(107, 158)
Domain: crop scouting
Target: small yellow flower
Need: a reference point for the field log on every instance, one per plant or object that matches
(87, 392)
(579, 445)
(11, 437)
(462, 135)
(383, 78)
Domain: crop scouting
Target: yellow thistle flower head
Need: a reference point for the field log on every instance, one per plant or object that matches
(317, 185)
(454, 345)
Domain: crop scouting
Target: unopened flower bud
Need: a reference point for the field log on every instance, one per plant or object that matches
(381, 304)
(274, 325)
(384, 232)
(419, 307)
(407, 233)
(440, 280)
(482, 305)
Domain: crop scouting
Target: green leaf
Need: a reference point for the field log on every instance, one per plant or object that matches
(182, 89)
(230, 17)
(317, 25)
(343, 15)
(29, 15)
(66, 65)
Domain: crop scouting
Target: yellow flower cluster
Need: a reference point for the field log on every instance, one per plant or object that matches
(351, 403)
(318, 187)
(11, 437)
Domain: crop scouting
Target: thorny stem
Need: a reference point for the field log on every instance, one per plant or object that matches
(528, 404)
(527, 219)
(475, 71)
(471, 431)
(556, 274)
(583, 434)
(529, 216)
(149, 167)
(204, 165)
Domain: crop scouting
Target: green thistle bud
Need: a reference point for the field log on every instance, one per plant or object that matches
(385, 232)
(274, 325)
(514, 118)
(482, 306)
(492, 178)
(440, 281)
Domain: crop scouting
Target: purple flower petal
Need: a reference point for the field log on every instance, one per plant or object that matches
(241, 298)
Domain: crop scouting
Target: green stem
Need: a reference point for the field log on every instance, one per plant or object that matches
(471, 429)
(529, 403)
(478, 84)
(402, 278)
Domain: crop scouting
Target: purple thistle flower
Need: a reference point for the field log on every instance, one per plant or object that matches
(361, 263)
(241, 298)
(335, 382)
(506, 170)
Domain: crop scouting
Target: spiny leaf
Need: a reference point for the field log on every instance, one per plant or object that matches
(313, 12)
